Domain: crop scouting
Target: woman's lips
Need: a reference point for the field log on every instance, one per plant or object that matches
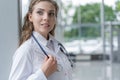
(45, 24)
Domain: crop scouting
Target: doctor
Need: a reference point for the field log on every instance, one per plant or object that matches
(39, 56)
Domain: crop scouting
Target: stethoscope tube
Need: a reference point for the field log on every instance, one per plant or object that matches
(62, 48)
(59, 44)
(40, 46)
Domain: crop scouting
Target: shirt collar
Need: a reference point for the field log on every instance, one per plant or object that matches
(42, 40)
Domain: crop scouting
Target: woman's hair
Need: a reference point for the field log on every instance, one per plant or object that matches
(28, 26)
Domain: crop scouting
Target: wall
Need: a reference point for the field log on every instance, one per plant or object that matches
(8, 35)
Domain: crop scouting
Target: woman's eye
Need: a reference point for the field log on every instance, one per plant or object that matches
(51, 14)
(40, 12)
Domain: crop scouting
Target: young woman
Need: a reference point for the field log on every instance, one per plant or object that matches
(40, 56)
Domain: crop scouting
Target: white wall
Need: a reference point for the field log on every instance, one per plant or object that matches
(8, 35)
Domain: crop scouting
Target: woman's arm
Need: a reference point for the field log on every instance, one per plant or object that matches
(22, 67)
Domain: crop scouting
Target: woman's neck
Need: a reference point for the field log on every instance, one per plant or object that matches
(46, 36)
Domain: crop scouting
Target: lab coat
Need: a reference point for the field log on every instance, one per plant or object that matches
(28, 59)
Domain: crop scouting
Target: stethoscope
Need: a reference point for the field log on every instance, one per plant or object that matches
(62, 49)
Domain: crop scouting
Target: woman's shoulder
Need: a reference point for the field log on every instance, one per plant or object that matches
(27, 45)
(57, 41)
(24, 49)
(54, 39)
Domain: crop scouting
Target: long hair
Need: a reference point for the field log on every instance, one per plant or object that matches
(28, 28)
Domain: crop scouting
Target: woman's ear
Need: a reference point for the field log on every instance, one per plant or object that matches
(30, 17)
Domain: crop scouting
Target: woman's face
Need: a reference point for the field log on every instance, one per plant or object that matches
(43, 17)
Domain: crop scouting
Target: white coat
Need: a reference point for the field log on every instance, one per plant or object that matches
(28, 59)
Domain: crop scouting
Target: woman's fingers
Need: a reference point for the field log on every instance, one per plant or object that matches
(50, 65)
(52, 59)
(46, 58)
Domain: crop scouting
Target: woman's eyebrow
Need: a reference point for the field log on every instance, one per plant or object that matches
(44, 10)
(40, 9)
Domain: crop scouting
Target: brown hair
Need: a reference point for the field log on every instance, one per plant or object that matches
(28, 26)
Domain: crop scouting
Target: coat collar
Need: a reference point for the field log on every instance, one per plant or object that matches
(42, 39)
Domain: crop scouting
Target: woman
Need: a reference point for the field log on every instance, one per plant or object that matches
(39, 56)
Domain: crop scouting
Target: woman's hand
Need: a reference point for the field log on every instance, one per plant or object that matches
(49, 65)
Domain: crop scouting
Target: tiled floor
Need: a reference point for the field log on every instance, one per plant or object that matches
(96, 71)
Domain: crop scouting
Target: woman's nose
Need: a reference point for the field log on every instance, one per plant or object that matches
(46, 17)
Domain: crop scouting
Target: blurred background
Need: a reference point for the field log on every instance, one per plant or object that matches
(89, 30)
